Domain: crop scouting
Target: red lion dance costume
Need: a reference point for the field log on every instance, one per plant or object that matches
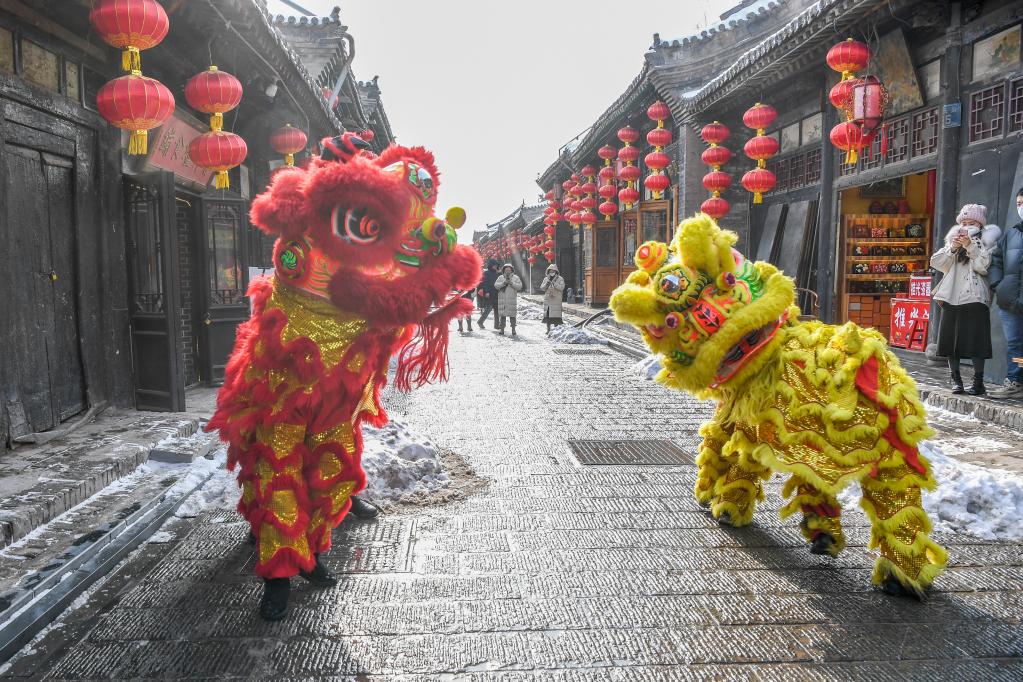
(359, 261)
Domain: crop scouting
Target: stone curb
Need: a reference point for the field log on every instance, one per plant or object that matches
(53, 498)
(990, 411)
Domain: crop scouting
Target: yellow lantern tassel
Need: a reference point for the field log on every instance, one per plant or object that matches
(138, 142)
(758, 198)
(216, 122)
(131, 60)
(223, 180)
(289, 159)
(850, 157)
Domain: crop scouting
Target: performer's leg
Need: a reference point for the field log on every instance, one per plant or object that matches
(334, 473)
(822, 523)
(738, 491)
(711, 465)
(910, 559)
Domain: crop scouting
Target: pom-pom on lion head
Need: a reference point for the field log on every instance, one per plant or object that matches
(360, 230)
(703, 307)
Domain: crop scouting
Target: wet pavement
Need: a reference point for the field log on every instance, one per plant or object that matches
(553, 571)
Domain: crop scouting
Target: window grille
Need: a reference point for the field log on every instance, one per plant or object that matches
(987, 110)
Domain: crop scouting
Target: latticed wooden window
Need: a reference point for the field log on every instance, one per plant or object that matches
(872, 154)
(925, 132)
(898, 140)
(783, 173)
(844, 168)
(797, 170)
(987, 110)
(813, 166)
(1016, 105)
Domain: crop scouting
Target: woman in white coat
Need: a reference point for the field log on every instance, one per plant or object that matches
(964, 295)
(553, 288)
(508, 286)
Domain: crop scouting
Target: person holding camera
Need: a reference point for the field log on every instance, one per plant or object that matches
(508, 286)
(964, 295)
(553, 287)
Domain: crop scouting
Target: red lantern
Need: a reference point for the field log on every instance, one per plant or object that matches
(549, 244)
(628, 135)
(761, 147)
(868, 103)
(218, 151)
(847, 137)
(630, 173)
(288, 141)
(607, 152)
(628, 196)
(532, 260)
(657, 183)
(588, 218)
(135, 103)
(130, 25)
(658, 111)
(588, 171)
(717, 181)
(589, 187)
(214, 92)
(628, 154)
(716, 156)
(758, 181)
(841, 94)
(714, 133)
(549, 255)
(367, 135)
(549, 195)
(555, 204)
(659, 137)
(607, 192)
(608, 208)
(657, 160)
(548, 230)
(715, 207)
(759, 117)
(607, 173)
(567, 185)
(849, 57)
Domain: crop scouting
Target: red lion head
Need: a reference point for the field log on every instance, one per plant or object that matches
(360, 231)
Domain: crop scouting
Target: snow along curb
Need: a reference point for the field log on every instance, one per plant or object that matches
(986, 410)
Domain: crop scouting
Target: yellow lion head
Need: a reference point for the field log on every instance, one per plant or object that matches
(703, 307)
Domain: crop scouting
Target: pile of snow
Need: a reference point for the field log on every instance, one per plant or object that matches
(579, 335)
(530, 312)
(647, 368)
(219, 492)
(984, 503)
(399, 463)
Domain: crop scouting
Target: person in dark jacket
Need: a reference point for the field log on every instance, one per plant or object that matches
(488, 292)
(469, 294)
(1006, 278)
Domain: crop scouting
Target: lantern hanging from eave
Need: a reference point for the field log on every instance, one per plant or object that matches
(137, 104)
(130, 25)
(717, 181)
(549, 255)
(848, 57)
(847, 137)
(588, 202)
(219, 151)
(367, 135)
(630, 173)
(759, 148)
(607, 190)
(531, 260)
(288, 141)
(549, 195)
(657, 161)
(213, 92)
(869, 101)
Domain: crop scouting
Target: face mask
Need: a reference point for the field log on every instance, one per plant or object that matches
(1019, 209)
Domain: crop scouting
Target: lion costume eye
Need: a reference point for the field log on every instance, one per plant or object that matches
(354, 226)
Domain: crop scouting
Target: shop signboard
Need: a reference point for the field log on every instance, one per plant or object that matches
(169, 152)
(910, 318)
(920, 287)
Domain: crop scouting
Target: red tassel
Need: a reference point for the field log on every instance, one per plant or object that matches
(884, 140)
(425, 357)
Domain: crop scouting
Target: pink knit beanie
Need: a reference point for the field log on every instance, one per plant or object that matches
(973, 212)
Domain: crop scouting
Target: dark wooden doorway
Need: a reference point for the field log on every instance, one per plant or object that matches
(222, 253)
(40, 227)
(152, 244)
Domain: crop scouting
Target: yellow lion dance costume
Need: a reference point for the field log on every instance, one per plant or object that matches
(826, 405)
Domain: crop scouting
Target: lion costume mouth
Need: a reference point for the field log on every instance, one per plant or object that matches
(746, 349)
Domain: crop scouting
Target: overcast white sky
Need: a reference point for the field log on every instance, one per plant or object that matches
(496, 88)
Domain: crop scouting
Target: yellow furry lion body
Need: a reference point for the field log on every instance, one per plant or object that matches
(828, 406)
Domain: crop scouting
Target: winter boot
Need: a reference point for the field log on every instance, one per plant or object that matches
(978, 378)
(468, 321)
(513, 326)
(319, 576)
(274, 604)
(459, 326)
(957, 378)
(822, 545)
(361, 509)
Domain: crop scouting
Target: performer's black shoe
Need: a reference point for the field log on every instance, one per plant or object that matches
(319, 576)
(274, 604)
(361, 509)
(822, 545)
(725, 519)
(252, 538)
(891, 585)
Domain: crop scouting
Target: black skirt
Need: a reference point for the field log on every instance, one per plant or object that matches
(965, 331)
(547, 319)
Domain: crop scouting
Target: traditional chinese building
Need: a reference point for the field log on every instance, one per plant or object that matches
(124, 275)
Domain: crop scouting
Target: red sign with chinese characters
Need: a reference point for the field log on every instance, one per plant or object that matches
(920, 286)
(169, 147)
(910, 318)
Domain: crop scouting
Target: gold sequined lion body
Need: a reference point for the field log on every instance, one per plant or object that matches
(828, 406)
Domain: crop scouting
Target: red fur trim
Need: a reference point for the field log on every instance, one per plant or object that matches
(281, 208)
(286, 563)
(425, 358)
(867, 377)
(420, 155)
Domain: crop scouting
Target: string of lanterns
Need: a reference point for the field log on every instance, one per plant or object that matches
(660, 137)
(132, 102)
(215, 92)
(759, 148)
(607, 189)
(716, 181)
(588, 202)
(630, 172)
(861, 100)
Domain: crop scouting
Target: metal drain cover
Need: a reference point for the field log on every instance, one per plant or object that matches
(579, 351)
(634, 452)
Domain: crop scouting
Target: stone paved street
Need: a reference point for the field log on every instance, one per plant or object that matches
(554, 571)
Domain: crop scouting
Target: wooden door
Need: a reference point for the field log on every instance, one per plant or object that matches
(152, 241)
(224, 278)
(45, 366)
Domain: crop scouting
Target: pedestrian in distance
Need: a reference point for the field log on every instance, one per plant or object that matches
(964, 294)
(553, 288)
(488, 294)
(1006, 278)
(468, 318)
(508, 286)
